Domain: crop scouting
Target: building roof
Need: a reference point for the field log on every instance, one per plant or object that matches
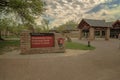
(97, 23)
(69, 28)
(116, 22)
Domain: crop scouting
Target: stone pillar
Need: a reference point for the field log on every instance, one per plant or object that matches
(91, 34)
(80, 34)
(25, 41)
(56, 48)
(107, 34)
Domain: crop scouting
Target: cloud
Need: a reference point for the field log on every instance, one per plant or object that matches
(60, 11)
(109, 10)
(109, 4)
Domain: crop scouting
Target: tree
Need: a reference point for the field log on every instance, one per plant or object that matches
(24, 11)
(4, 24)
(16, 29)
(71, 25)
(45, 25)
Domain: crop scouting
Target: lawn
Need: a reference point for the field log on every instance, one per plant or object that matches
(78, 46)
(8, 45)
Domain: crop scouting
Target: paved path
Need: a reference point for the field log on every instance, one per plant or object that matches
(100, 64)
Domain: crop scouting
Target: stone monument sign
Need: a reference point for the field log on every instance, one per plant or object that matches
(32, 43)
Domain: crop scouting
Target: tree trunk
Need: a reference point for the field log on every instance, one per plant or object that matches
(6, 33)
(1, 39)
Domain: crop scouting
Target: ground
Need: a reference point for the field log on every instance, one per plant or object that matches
(103, 63)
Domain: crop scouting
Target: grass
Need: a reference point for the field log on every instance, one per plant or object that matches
(8, 45)
(78, 46)
(12, 36)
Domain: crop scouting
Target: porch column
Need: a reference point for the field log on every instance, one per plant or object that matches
(91, 33)
(80, 34)
(107, 34)
(100, 34)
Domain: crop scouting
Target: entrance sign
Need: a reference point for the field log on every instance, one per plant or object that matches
(42, 40)
(34, 43)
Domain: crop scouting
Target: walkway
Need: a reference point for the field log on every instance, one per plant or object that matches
(100, 64)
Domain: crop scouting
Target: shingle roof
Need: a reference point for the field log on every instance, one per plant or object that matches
(110, 24)
(97, 23)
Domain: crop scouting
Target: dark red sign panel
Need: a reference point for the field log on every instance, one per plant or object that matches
(42, 40)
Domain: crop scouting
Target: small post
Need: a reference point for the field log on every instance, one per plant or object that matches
(119, 39)
(119, 44)
(89, 43)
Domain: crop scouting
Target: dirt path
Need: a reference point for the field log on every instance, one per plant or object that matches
(100, 64)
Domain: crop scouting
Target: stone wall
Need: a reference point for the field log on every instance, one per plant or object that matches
(72, 34)
(25, 42)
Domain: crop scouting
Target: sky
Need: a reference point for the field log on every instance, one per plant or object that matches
(60, 11)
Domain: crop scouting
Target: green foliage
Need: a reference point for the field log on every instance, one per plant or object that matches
(4, 23)
(26, 10)
(19, 12)
(38, 29)
(8, 25)
(45, 25)
(16, 30)
(7, 45)
(71, 24)
(74, 45)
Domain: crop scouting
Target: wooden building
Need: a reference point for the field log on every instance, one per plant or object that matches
(90, 29)
(115, 30)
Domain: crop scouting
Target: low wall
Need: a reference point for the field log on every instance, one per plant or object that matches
(26, 46)
(72, 34)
